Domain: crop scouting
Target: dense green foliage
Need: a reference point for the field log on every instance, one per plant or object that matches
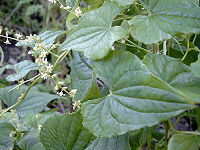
(134, 67)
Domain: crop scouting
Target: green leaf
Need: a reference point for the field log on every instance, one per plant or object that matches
(115, 143)
(34, 102)
(31, 141)
(165, 19)
(33, 9)
(195, 67)
(124, 2)
(93, 4)
(176, 73)
(65, 132)
(6, 142)
(137, 97)
(184, 142)
(94, 34)
(6, 128)
(47, 38)
(4, 83)
(21, 69)
(138, 138)
(34, 120)
(83, 79)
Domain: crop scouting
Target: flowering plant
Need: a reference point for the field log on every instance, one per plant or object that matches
(134, 69)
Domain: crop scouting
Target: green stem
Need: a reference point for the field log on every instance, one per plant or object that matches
(182, 132)
(118, 19)
(21, 98)
(167, 129)
(2, 57)
(136, 8)
(195, 36)
(9, 37)
(52, 53)
(1, 107)
(149, 141)
(188, 49)
(138, 47)
(164, 47)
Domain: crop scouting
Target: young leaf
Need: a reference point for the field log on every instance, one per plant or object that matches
(83, 79)
(65, 132)
(124, 2)
(176, 73)
(165, 18)
(21, 69)
(184, 142)
(115, 143)
(137, 97)
(94, 34)
(34, 102)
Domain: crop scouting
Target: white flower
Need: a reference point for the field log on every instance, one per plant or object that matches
(7, 42)
(73, 92)
(78, 12)
(61, 83)
(64, 88)
(38, 61)
(53, 46)
(56, 87)
(44, 75)
(76, 104)
(18, 35)
(49, 68)
(113, 48)
(61, 93)
(54, 76)
(44, 61)
(39, 127)
(61, 6)
(43, 54)
(67, 8)
(53, 1)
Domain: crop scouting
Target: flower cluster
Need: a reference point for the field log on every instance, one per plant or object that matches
(62, 90)
(40, 51)
(78, 12)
